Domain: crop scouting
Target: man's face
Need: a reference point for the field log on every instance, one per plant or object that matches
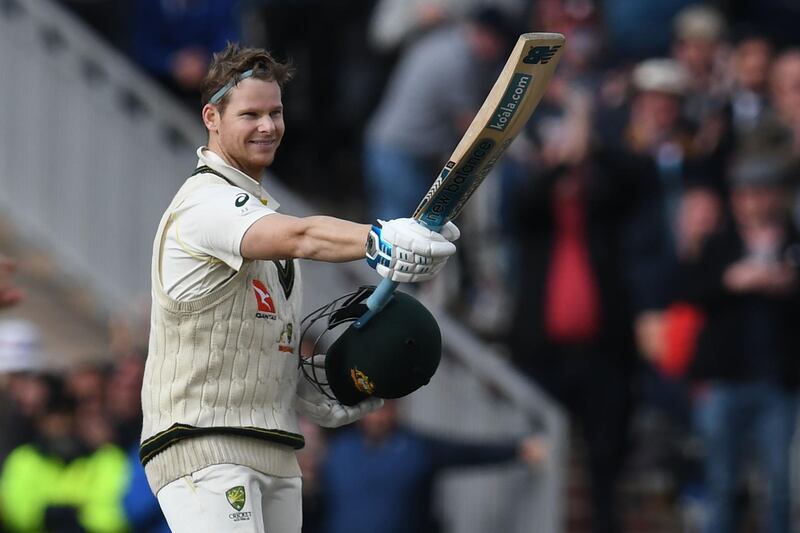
(247, 134)
(786, 87)
(661, 109)
(377, 424)
(756, 205)
(751, 61)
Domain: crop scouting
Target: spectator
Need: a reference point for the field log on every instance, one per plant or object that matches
(124, 410)
(140, 505)
(699, 45)
(779, 128)
(785, 93)
(123, 399)
(659, 140)
(86, 383)
(637, 30)
(56, 483)
(421, 116)
(746, 365)
(780, 18)
(748, 95)
(379, 475)
(397, 23)
(173, 40)
(311, 458)
(571, 328)
(23, 392)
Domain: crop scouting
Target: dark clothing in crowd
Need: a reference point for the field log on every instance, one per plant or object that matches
(746, 336)
(587, 367)
(747, 363)
(387, 486)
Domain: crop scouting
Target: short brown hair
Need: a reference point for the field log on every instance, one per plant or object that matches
(233, 61)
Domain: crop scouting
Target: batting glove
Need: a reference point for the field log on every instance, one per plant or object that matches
(322, 409)
(404, 250)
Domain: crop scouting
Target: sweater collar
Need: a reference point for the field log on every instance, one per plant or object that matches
(205, 157)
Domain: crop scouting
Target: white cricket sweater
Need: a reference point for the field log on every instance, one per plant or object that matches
(222, 369)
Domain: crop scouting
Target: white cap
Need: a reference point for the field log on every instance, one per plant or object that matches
(20, 346)
(699, 21)
(661, 75)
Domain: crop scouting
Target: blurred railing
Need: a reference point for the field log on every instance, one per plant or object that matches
(91, 151)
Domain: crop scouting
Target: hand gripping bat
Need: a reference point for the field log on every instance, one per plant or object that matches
(516, 93)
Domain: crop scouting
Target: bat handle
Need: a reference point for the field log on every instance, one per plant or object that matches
(382, 294)
(376, 301)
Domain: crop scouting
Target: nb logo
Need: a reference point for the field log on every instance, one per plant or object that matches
(541, 54)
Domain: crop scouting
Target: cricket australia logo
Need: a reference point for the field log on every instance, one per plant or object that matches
(361, 381)
(266, 307)
(541, 54)
(511, 101)
(236, 497)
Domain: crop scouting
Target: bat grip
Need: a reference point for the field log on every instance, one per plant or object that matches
(382, 294)
(376, 301)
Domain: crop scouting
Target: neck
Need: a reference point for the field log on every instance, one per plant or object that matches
(254, 173)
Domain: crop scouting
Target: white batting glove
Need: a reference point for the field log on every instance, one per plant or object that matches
(310, 402)
(404, 250)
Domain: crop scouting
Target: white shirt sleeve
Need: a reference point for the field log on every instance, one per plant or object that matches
(212, 222)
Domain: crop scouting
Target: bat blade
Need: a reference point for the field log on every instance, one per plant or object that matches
(513, 98)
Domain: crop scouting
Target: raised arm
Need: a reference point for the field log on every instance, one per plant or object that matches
(401, 249)
(321, 238)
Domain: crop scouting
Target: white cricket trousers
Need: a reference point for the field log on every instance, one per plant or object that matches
(231, 497)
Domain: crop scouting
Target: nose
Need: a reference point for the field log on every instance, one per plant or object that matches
(266, 125)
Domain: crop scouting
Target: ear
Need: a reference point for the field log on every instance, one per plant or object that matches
(211, 117)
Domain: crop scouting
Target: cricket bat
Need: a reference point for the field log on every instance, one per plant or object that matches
(516, 93)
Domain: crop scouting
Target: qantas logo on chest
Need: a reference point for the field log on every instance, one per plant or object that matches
(266, 307)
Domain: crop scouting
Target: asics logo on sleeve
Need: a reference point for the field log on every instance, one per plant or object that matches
(241, 199)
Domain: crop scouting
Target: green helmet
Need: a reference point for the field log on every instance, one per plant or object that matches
(392, 355)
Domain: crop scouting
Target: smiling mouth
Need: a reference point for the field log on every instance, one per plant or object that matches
(263, 142)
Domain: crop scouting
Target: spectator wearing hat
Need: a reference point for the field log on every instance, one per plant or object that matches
(23, 389)
(658, 139)
(779, 127)
(746, 368)
(678, 185)
(699, 33)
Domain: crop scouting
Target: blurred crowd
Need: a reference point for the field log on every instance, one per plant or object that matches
(70, 438)
(636, 252)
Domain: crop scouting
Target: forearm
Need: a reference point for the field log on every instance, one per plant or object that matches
(320, 238)
(332, 239)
